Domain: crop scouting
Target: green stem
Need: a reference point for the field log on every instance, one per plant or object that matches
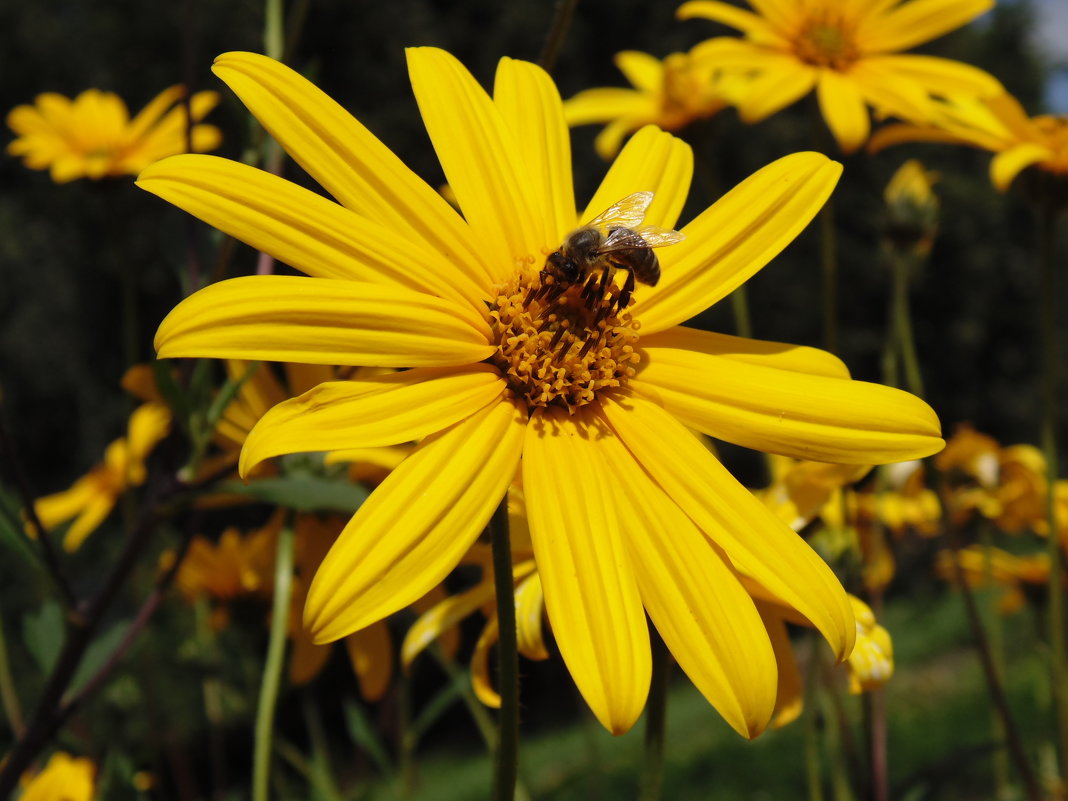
(212, 689)
(1048, 313)
(810, 722)
(743, 325)
(997, 655)
(272, 670)
(829, 273)
(656, 722)
(273, 29)
(8, 694)
(906, 343)
(565, 12)
(506, 762)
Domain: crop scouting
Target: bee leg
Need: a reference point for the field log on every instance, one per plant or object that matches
(588, 289)
(628, 289)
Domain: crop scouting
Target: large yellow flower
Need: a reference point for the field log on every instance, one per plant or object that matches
(669, 94)
(848, 51)
(92, 136)
(998, 124)
(628, 511)
(64, 778)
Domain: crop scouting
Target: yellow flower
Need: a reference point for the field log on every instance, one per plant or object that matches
(872, 662)
(508, 373)
(92, 497)
(669, 94)
(911, 209)
(845, 50)
(998, 124)
(93, 136)
(985, 567)
(64, 778)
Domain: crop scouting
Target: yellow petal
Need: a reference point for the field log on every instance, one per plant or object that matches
(652, 161)
(322, 321)
(481, 682)
(604, 104)
(1005, 166)
(734, 238)
(753, 351)
(918, 21)
(306, 659)
(529, 612)
(379, 411)
(150, 114)
(755, 541)
(591, 593)
(480, 156)
(442, 617)
(371, 654)
(803, 415)
(531, 107)
(418, 524)
(60, 507)
(706, 618)
(301, 228)
(645, 72)
(752, 25)
(789, 698)
(89, 519)
(783, 80)
(941, 76)
(346, 159)
(843, 108)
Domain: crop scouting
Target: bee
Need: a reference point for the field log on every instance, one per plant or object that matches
(614, 239)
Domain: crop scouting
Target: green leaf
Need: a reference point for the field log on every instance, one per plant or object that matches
(43, 632)
(438, 705)
(304, 493)
(362, 733)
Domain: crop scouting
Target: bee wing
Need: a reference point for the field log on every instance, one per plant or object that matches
(627, 213)
(648, 237)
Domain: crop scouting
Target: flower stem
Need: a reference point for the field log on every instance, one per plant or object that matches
(506, 762)
(565, 12)
(272, 670)
(811, 723)
(906, 344)
(655, 722)
(8, 694)
(743, 325)
(829, 272)
(1048, 314)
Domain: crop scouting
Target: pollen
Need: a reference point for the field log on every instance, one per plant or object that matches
(562, 345)
(826, 42)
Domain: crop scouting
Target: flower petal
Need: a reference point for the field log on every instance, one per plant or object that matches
(797, 414)
(753, 351)
(783, 80)
(843, 108)
(918, 21)
(737, 236)
(322, 321)
(529, 612)
(371, 654)
(418, 524)
(591, 593)
(752, 25)
(347, 159)
(442, 617)
(301, 228)
(481, 158)
(530, 104)
(756, 542)
(651, 161)
(1007, 164)
(789, 699)
(383, 410)
(706, 618)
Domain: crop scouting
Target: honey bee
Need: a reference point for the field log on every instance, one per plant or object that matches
(614, 239)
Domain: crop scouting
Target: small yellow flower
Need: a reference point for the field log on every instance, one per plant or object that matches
(998, 124)
(64, 778)
(92, 497)
(848, 52)
(505, 369)
(872, 662)
(994, 567)
(911, 209)
(669, 94)
(93, 136)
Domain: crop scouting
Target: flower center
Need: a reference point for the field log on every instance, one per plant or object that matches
(826, 43)
(562, 344)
